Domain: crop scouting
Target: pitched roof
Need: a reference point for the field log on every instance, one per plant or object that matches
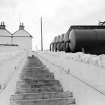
(21, 33)
(4, 33)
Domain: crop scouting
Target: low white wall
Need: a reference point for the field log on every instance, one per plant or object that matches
(10, 62)
(88, 68)
(8, 50)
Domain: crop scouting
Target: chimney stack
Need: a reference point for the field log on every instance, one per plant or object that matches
(21, 26)
(2, 26)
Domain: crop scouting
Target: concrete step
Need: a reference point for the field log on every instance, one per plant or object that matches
(43, 68)
(44, 95)
(37, 83)
(23, 77)
(37, 72)
(34, 61)
(40, 89)
(33, 64)
(37, 76)
(55, 101)
(37, 86)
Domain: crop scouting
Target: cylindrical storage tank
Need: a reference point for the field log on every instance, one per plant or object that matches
(55, 39)
(58, 38)
(62, 42)
(67, 41)
(87, 39)
(55, 43)
(66, 37)
(101, 37)
(52, 46)
(58, 42)
(62, 38)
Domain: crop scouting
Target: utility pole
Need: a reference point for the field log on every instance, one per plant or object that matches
(41, 36)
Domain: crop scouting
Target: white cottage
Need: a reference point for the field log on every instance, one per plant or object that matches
(23, 38)
(5, 35)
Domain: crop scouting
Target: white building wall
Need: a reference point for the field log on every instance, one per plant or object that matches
(5, 40)
(23, 42)
(8, 49)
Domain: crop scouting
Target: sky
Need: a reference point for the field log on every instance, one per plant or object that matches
(57, 16)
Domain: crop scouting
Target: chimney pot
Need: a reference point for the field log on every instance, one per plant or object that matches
(21, 26)
(2, 26)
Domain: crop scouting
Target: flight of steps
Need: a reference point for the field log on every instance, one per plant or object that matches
(37, 86)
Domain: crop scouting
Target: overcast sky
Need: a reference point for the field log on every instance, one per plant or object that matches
(57, 15)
